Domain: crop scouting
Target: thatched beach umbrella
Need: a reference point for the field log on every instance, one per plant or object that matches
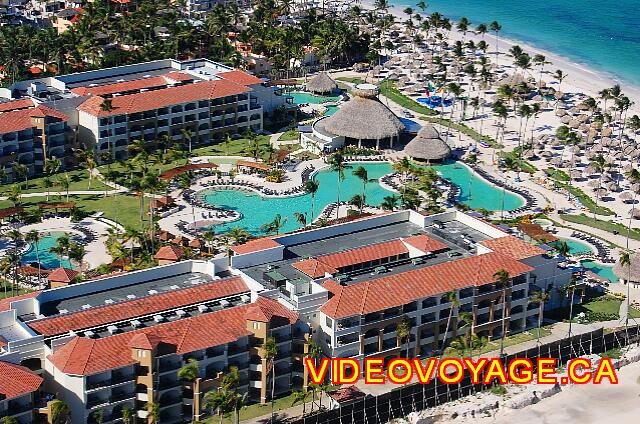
(575, 174)
(626, 196)
(606, 132)
(428, 145)
(321, 83)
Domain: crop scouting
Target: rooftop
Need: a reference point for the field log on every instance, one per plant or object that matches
(16, 380)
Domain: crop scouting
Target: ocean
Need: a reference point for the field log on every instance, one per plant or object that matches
(602, 36)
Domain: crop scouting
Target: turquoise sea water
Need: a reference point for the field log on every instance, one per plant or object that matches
(604, 36)
(257, 210)
(48, 259)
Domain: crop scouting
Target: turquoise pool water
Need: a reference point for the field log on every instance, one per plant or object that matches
(300, 97)
(576, 247)
(331, 110)
(601, 270)
(47, 259)
(257, 210)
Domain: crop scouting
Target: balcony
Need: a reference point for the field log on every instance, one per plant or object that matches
(166, 385)
(118, 379)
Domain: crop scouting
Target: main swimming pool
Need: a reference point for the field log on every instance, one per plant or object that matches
(301, 97)
(47, 259)
(257, 210)
(603, 271)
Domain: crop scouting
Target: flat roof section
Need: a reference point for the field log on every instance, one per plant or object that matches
(121, 294)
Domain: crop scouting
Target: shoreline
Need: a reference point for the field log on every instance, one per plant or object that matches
(581, 78)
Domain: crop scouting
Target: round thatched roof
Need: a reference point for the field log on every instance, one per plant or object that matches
(321, 83)
(364, 117)
(428, 145)
(623, 272)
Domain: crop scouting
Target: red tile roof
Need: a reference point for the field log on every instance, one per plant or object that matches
(16, 104)
(16, 380)
(313, 268)
(134, 85)
(513, 246)
(18, 120)
(5, 304)
(360, 255)
(134, 308)
(169, 253)
(240, 77)
(425, 243)
(148, 100)
(399, 289)
(347, 394)
(63, 275)
(255, 245)
(83, 356)
(265, 310)
(144, 341)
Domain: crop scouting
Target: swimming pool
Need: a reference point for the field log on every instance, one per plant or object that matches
(330, 110)
(433, 101)
(301, 97)
(257, 210)
(47, 259)
(601, 270)
(575, 247)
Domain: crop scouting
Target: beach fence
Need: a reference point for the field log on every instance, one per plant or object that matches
(416, 397)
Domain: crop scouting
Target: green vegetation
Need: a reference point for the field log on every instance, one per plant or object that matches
(596, 307)
(237, 147)
(389, 90)
(352, 80)
(512, 161)
(78, 181)
(585, 199)
(557, 174)
(602, 225)
(6, 290)
(289, 135)
(613, 353)
(499, 390)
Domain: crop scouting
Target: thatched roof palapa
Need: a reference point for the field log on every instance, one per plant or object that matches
(364, 117)
(428, 145)
(321, 83)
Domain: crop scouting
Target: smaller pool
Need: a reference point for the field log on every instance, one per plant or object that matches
(47, 259)
(600, 270)
(301, 97)
(330, 110)
(542, 222)
(433, 101)
(575, 247)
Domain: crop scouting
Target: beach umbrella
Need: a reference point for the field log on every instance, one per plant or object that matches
(556, 161)
(575, 173)
(635, 188)
(606, 132)
(626, 196)
(566, 119)
(635, 213)
(602, 192)
(627, 168)
(593, 183)
(613, 186)
(574, 123)
(546, 154)
(560, 113)
(558, 95)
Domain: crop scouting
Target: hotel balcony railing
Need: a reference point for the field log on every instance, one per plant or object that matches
(169, 366)
(111, 381)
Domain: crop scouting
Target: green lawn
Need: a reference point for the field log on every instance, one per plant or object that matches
(78, 180)
(602, 225)
(584, 198)
(232, 148)
(558, 174)
(122, 208)
(352, 80)
(290, 135)
(510, 340)
(389, 90)
(524, 165)
(597, 308)
(5, 290)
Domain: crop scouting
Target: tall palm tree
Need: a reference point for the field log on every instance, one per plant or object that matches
(311, 187)
(452, 298)
(495, 27)
(33, 237)
(60, 412)
(189, 372)
(539, 297)
(153, 408)
(301, 218)
(502, 277)
(625, 261)
(403, 330)
(269, 351)
(569, 290)
(217, 400)
(300, 396)
(274, 226)
(338, 165)
(363, 175)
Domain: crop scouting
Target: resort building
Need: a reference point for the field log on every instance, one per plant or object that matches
(31, 133)
(119, 342)
(355, 282)
(19, 392)
(194, 101)
(428, 146)
(363, 121)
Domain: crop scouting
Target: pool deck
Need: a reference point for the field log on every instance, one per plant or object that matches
(96, 252)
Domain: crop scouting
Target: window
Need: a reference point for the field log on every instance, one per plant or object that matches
(329, 322)
(142, 354)
(256, 325)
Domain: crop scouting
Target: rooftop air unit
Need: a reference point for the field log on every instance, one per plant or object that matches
(112, 329)
(108, 301)
(180, 313)
(87, 306)
(158, 318)
(63, 311)
(203, 308)
(153, 291)
(136, 324)
(245, 298)
(224, 303)
(131, 296)
(89, 334)
(174, 287)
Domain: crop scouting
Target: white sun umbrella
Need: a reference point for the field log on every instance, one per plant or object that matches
(575, 149)
(584, 128)
(583, 118)
(627, 168)
(635, 154)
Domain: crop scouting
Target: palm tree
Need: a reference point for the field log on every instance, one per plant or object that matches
(569, 290)
(338, 165)
(126, 415)
(495, 27)
(217, 400)
(311, 187)
(625, 261)
(539, 297)
(363, 175)
(502, 277)
(269, 351)
(560, 76)
(562, 247)
(33, 237)
(404, 331)
(274, 226)
(301, 218)
(9, 420)
(60, 412)
(153, 408)
(452, 298)
(300, 396)
(389, 203)
(189, 372)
